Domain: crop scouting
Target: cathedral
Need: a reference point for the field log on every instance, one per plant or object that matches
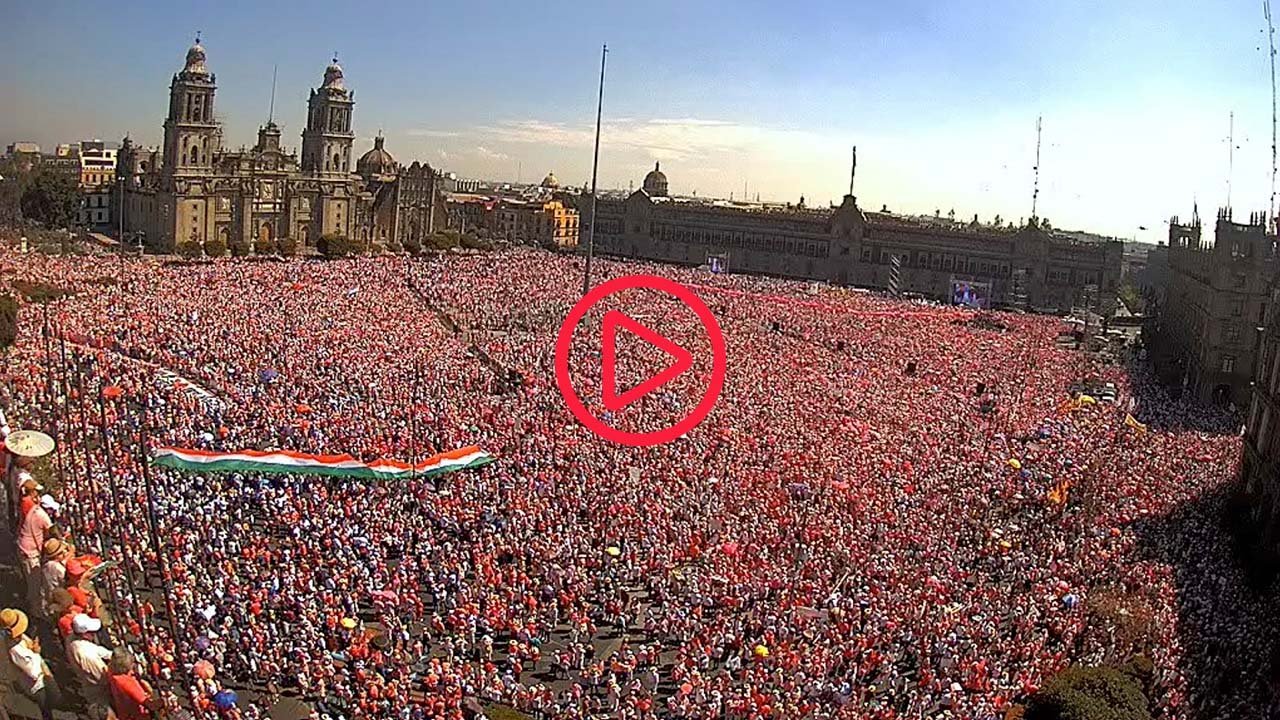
(265, 198)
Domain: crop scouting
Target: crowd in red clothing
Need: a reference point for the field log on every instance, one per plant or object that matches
(843, 536)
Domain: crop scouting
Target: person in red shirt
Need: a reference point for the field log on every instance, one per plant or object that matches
(131, 697)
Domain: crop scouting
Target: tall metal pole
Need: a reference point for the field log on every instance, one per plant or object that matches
(853, 169)
(95, 498)
(595, 167)
(1271, 55)
(1231, 152)
(162, 565)
(1035, 188)
(116, 513)
(120, 236)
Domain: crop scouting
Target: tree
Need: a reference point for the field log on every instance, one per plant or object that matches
(1089, 693)
(238, 247)
(444, 240)
(264, 246)
(12, 186)
(8, 320)
(413, 246)
(336, 246)
(189, 249)
(288, 246)
(476, 243)
(51, 199)
(214, 247)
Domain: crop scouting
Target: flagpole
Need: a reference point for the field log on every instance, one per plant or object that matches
(413, 424)
(144, 457)
(89, 485)
(116, 514)
(595, 167)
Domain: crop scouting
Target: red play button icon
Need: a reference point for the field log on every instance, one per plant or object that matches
(682, 360)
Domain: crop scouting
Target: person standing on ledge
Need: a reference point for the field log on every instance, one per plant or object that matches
(33, 676)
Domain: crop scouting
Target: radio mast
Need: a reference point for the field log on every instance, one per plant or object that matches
(1035, 186)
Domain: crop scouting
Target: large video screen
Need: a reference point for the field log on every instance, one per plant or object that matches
(971, 294)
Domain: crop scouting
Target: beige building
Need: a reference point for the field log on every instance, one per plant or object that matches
(97, 183)
(1029, 267)
(546, 223)
(194, 190)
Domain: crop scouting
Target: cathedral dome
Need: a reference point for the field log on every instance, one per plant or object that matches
(333, 75)
(377, 161)
(195, 59)
(550, 181)
(655, 183)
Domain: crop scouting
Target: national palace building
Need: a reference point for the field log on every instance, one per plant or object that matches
(1029, 267)
(192, 189)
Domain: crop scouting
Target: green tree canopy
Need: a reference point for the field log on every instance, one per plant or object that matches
(1090, 693)
(336, 246)
(52, 199)
(8, 321)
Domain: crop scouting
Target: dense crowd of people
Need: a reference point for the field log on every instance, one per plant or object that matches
(893, 511)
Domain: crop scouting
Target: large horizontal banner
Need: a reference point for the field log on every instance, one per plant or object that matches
(295, 463)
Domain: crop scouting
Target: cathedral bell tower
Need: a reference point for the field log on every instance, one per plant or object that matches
(326, 141)
(191, 134)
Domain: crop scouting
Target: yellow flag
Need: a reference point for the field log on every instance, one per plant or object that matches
(1132, 422)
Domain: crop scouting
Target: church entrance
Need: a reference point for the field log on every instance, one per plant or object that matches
(1222, 395)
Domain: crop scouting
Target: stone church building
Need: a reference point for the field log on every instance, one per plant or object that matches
(193, 190)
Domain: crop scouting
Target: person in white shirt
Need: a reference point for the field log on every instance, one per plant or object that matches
(89, 660)
(32, 673)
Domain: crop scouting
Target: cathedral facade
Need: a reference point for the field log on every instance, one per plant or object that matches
(265, 198)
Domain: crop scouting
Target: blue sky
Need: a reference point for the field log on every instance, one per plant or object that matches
(941, 98)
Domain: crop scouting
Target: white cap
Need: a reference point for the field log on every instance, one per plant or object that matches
(48, 503)
(82, 623)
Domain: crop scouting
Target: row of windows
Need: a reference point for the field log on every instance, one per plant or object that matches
(925, 260)
(937, 261)
(741, 240)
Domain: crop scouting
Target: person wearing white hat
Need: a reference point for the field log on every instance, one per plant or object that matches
(37, 527)
(89, 660)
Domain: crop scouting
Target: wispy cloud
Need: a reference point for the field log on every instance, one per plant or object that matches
(673, 139)
(488, 154)
(429, 133)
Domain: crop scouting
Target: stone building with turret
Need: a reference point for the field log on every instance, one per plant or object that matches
(194, 190)
(1214, 306)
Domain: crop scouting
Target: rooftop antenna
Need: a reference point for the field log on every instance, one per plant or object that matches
(1271, 42)
(271, 114)
(1035, 187)
(1231, 151)
(853, 169)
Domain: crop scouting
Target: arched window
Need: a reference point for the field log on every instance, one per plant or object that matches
(195, 155)
(337, 162)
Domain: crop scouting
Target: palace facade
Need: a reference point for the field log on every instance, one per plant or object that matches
(1030, 267)
(193, 190)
